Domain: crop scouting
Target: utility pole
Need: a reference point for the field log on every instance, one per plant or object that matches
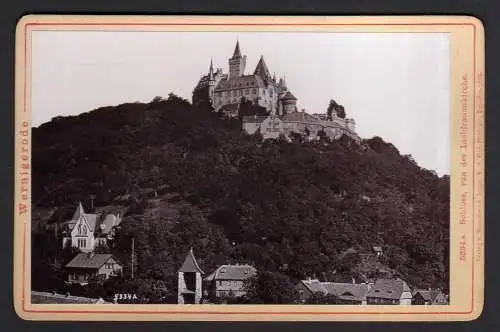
(132, 258)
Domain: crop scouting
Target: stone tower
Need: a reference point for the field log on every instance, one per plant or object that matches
(190, 281)
(211, 82)
(289, 103)
(237, 63)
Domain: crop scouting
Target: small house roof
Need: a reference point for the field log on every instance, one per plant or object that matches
(388, 289)
(232, 272)
(428, 294)
(190, 264)
(315, 286)
(51, 298)
(89, 260)
(346, 291)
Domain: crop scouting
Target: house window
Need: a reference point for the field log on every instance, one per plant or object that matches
(254, 91)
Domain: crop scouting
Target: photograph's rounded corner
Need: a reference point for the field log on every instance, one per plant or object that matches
(23, 21)
(477, 22)
(19, 310)
(477, 310)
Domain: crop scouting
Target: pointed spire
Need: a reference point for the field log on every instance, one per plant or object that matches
(79, 211)
(262, 69)
(211, 70)
(190, 264)
(237, 52)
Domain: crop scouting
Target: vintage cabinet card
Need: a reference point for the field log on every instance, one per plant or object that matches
(249, 168)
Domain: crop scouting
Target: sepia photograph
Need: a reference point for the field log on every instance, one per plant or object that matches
(240, 167)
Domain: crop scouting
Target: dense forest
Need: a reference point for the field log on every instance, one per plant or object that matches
(189, 177)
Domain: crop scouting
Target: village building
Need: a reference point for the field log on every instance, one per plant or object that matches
(389, 291)
(54, 298)
(86, 231)
(346, 293)
(87, 267)
(229, 280)
(308, 288)
(429, 297)
(189, 285)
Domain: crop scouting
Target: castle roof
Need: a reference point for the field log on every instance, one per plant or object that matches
(190, 264)
(288, 96)
(245, 81)
(299, 116)
(237, 52)
(261, 68)
(253, 118)
(282, 84)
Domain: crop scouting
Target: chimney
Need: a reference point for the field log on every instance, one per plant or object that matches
(92, 197)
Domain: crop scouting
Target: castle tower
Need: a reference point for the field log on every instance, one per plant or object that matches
(289, 103)
(237, 62)
(190, 280)
(211, 81)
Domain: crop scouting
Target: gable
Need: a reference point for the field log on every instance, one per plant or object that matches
(81, 227)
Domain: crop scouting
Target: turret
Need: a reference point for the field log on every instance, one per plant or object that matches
(211, 81)
(190, 281)
(237, 62)
(289, 102)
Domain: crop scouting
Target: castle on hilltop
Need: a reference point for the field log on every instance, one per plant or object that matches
(227, 92)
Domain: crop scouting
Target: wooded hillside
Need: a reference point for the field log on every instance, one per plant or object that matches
(191, 178)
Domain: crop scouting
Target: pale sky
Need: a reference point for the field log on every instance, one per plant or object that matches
(394, 85)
